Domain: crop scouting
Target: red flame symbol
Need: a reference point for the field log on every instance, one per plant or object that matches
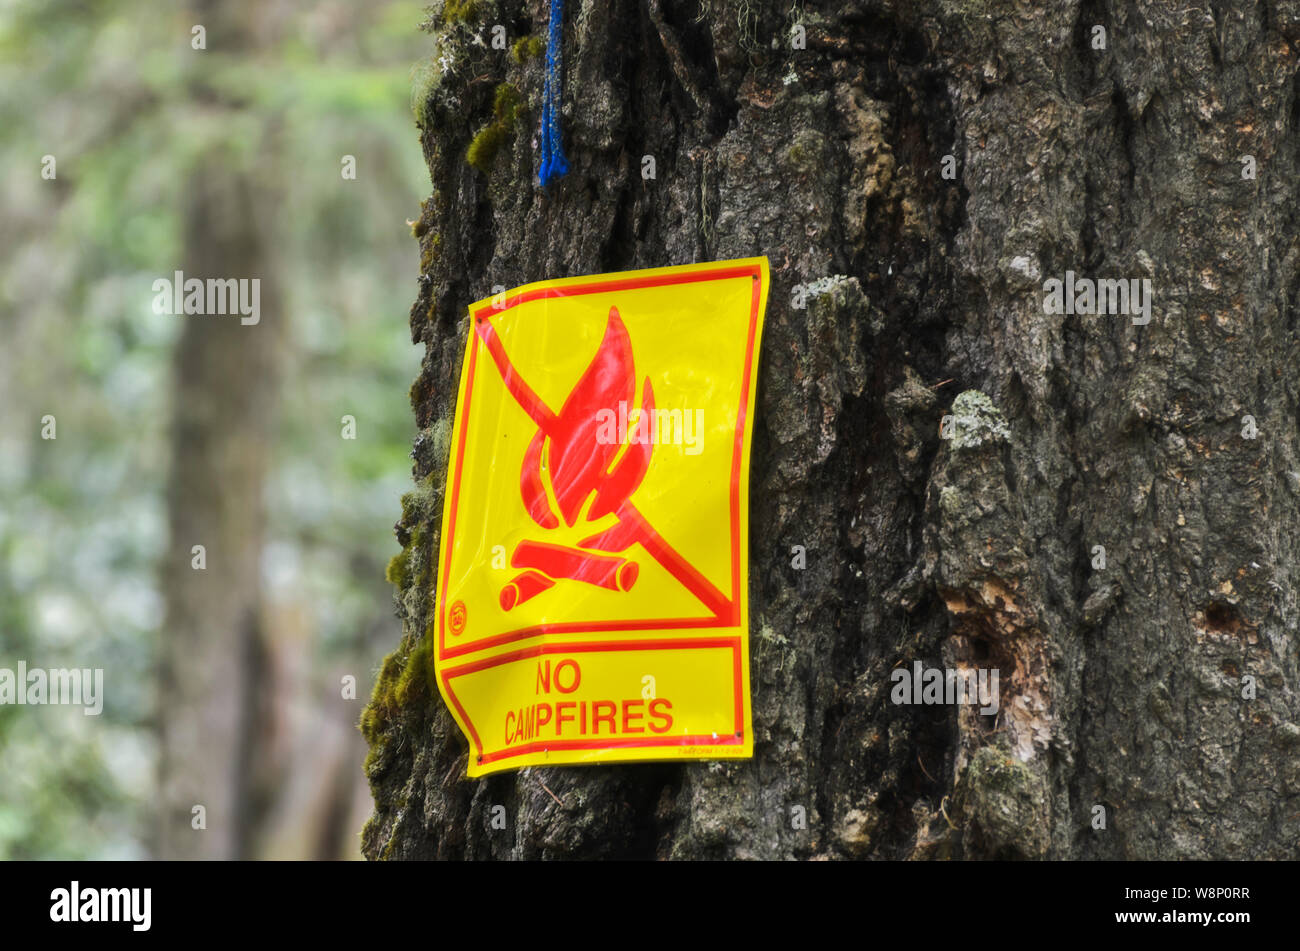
(566, 447)
(567, 457)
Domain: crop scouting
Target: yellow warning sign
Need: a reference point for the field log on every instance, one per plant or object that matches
(593, 573)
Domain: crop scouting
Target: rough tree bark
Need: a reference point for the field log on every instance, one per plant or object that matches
(1121, 686)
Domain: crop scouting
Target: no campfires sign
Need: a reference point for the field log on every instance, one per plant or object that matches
(592, 583)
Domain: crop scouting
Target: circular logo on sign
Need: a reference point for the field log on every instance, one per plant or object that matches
(457, 617)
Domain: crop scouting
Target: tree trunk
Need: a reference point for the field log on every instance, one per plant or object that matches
(1152, 685)
(213, 659)
(213, 654)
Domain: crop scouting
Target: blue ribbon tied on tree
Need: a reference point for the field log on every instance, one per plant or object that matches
(554, 164)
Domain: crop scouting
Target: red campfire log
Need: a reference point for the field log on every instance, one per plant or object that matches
(558, 561)
(526, 586)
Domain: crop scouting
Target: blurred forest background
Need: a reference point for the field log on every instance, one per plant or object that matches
(221, 162)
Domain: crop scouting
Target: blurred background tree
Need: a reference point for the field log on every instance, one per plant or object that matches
(150, 138)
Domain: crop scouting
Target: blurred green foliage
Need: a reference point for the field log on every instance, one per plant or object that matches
(127, 108)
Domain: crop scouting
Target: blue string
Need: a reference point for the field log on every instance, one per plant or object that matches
(554, 164)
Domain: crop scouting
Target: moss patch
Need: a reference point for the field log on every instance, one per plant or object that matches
(505, 110)
(442, 437)
(399, 569)
(431, 252)
(424, 80)
(484, 148)
(459, 11)
(413, 683)
(404, 679)
(413, 565)
(380, 708)
(526, 48)
(420, 505)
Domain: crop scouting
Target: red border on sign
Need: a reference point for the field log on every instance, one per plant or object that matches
(754, 272)
(735, 738)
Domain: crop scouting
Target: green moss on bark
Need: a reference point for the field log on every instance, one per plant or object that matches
(459, 11)
(505, 109)
(526, 48)
(407, 673)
